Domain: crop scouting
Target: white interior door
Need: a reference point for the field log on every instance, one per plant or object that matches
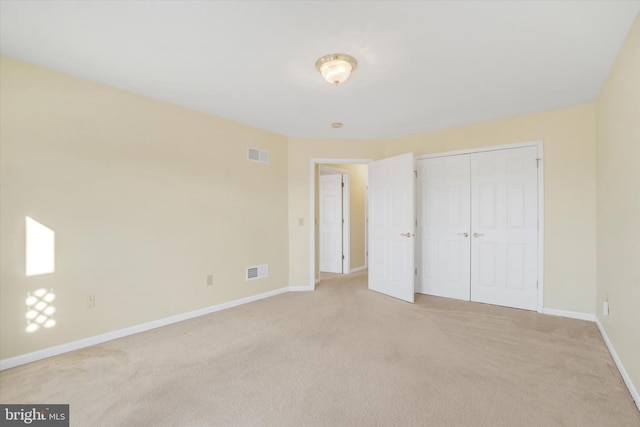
(391, 226)
(444, 216)
(331, 223)
(504, 227)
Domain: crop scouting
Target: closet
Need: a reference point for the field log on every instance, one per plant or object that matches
(477, 233)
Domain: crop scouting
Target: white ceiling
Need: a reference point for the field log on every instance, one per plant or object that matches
(422, 66)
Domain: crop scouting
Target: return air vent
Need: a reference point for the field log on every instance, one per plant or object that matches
(257, 272)
(256, 155)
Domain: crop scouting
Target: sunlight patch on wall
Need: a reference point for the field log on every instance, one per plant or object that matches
(40, 248)
(40, 309)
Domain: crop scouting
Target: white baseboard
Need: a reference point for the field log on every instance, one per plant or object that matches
(355, 270)
(87, 342)
(570, 314)
(618, 362)
(301, 288)
(317, 281)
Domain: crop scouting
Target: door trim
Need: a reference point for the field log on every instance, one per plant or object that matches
(539, 144)
(312, 207)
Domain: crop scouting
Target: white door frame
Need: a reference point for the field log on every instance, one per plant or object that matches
(312, 208)
(346, 204)
(366, 222)
(539, 144)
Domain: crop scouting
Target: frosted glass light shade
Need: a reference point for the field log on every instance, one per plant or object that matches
(336, 68)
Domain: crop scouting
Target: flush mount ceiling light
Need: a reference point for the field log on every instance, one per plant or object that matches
(336, 68)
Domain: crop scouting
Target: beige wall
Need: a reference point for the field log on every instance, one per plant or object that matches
(301, 153)
(569, 191)
(618, 203)
(145, 198)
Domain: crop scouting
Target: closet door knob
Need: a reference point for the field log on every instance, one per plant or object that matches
(405, 234)
(478, 234)
(463, 234)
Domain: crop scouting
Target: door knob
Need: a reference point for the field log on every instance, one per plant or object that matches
(477, 234)
(405, 234)
(463, 234)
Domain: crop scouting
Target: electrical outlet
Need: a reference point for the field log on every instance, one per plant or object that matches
(91, 301)
(210, 280)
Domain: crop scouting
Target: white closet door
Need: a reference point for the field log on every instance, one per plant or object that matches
(444, 226)
(391, 226)
(504, 227)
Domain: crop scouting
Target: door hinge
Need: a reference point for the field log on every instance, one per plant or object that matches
(343, 257)
(537, 284)
(415, 272)
(342, 184)
(416, 223)
(415, 173)
(538, 163)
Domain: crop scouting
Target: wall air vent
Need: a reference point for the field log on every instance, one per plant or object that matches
(256, 155)
(257, 272)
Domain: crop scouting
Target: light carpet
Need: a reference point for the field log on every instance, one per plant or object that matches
(340, 356)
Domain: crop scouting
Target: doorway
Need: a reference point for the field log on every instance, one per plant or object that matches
(333, 219)
(353, 246)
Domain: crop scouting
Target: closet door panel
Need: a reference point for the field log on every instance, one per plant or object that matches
(504, 227)
(443, 226)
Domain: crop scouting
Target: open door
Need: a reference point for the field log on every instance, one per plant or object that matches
(392, 226)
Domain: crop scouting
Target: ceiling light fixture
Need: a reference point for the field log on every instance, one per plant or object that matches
(336, 68)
